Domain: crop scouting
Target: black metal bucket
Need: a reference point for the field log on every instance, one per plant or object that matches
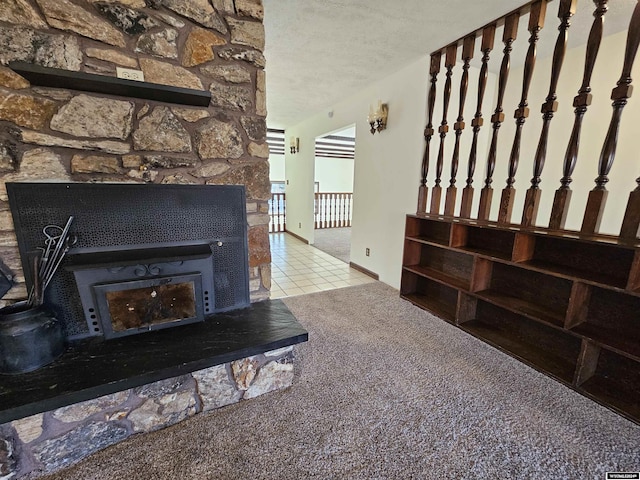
(30, 337)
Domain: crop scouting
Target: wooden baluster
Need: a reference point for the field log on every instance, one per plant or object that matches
(509, 35)
(274, 212)
(467, 54)
(566, 10)
(349, 210)
(581, 103)
(620, 95)
(284, 212)
(536, 22)
(488, 36)
(327, 214)
(324, 210)
(423, 191)
(275, 204)
(631, 221)
(281, 199)
(328, 200)
(340, 210)
(280, 211)
(270, 205)
(449, 63)
(344, 209)
(315, 210)
(334, 199)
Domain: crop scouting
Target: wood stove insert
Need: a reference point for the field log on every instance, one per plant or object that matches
(134, 232)
(136, 291)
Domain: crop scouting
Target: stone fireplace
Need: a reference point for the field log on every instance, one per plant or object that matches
(64, 127)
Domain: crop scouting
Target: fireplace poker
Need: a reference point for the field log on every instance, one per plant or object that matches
(68, 243)
(56, 256)
(45, 267)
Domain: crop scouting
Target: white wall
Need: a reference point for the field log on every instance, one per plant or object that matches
(626, 167)
(387, 165)
(334, 174)
(276, 168)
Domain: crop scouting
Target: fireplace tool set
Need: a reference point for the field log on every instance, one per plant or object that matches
(30, 334)
(57, 244)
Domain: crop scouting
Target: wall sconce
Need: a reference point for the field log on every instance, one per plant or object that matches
(294, 145)
(378, 118)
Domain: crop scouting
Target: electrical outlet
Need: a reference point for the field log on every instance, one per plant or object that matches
(367, 252)
(130, 74)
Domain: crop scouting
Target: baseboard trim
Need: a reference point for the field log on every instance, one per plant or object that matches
(371, 274)
(297, 236)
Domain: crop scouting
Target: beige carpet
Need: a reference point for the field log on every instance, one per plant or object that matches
(334, 241)
(386, 390)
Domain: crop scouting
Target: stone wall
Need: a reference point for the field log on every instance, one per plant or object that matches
(49, 441)
(58, 134)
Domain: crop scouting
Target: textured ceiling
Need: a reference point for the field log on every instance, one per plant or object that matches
(322, 51)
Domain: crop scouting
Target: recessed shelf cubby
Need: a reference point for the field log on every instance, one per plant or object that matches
(485, 241)
(529, 293)
(430, 230)
(567, 305)
(604, 264)
(439, 264)
(615, 382)
(433, 296)
(537, 344)
(613, 319)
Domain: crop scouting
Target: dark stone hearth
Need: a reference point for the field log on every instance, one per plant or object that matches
(91, 369)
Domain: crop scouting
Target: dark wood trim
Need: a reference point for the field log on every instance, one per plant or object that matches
(89, 82)
(297, 236)
(570, 234)
(369, 273)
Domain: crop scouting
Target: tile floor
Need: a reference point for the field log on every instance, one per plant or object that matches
(298, 268)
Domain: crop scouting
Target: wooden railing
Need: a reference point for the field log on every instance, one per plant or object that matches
(620, 95)
(333, 210)
(277, 206)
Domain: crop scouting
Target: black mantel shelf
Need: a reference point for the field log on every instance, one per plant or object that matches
(89, 82)
(94, 368)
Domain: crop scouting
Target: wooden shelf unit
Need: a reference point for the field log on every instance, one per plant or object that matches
(567, 305)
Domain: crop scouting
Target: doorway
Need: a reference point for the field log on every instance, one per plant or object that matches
(333, 196)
